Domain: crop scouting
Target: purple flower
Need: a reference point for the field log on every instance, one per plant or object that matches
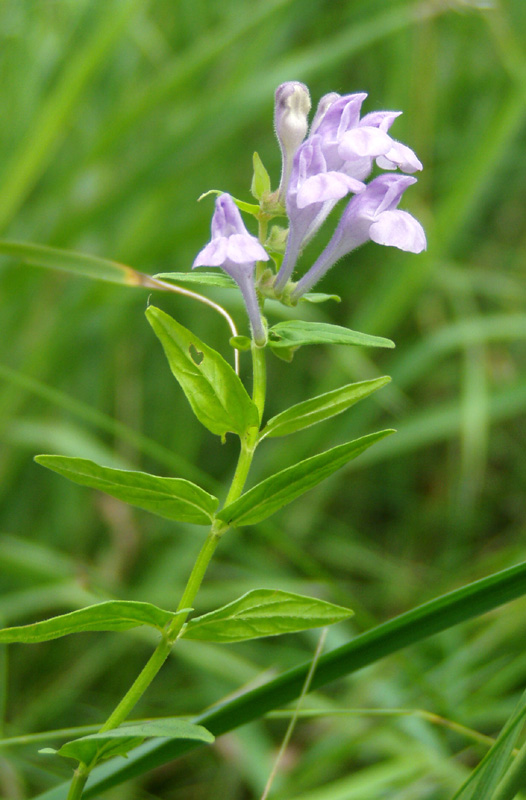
(234, 249)
(371, 215)
(312, 194)
(337, 156)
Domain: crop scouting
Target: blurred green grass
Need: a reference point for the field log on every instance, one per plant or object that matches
(116, 117)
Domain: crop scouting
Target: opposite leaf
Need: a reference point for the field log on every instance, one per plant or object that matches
(218, 398)
(264, 612)
(296, 333)
(277, 491)
(119, 741)
(171, 498)
(112, 615)
(320, 408)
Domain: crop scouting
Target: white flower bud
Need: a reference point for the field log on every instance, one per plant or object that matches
(291, 110)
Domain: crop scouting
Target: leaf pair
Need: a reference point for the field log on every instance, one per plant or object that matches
(261, 612)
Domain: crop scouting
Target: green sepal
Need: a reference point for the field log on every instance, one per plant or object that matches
(172, 498)
(320, 408)
(277, 491)
(201, 278)
(217, 397)
(111, 615)
(119, 741)
(264, 612)
(297, 333)
(260, 186)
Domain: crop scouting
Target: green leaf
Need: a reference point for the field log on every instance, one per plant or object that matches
(319, 408)
(112, 615)
(171, 498)
(260, 180)
(296, 333)
(78, 263)
(483, 781)
(240, 342)
(101, 746)
(277, 491)
(203, 278)
(264, 612)
(218, 398)
(319, 297)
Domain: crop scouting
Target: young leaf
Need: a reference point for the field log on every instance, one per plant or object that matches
(101, 746)
(171, 498)
(277, 491)
(203, 278)
(264, 612)
(260, 180)
(296, 333)
(112, 615)
(319, 408)
(319, 297)
(218, 398)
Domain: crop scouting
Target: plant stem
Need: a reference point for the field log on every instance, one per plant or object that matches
(172, 632)
(78, 783)
(259, 388)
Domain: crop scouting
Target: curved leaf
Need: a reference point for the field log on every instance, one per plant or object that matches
(264, 612)
(218, 398)
(277, 491)
(119, 741)
(320, 408)
(171, 498)
(296, 333)
(111, 615)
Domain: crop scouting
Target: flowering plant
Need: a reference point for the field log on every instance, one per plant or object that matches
(319, 168)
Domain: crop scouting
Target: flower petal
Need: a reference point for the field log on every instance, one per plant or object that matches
(364, 141)
(400, 156)
(326, 186)
(213, 254)
(398, 229)
(243, 248)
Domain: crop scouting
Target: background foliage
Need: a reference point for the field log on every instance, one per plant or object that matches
(116, 116)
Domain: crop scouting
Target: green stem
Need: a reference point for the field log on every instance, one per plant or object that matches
(259, 388)
(78, 783)
(171, 633)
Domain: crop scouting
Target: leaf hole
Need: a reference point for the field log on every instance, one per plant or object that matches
(196, 355)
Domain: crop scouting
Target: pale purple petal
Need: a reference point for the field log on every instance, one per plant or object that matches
(213, 254)
(364, 141)
(326, 186)
(400, 156)
(342, 115)
(399, 229)
(227, 219)
(380, 119)
(243, 248)
(323, 106)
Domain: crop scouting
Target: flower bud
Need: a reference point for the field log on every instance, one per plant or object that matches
(291, 110)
